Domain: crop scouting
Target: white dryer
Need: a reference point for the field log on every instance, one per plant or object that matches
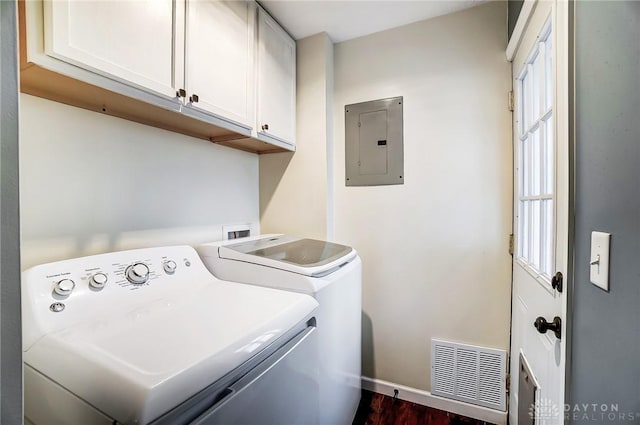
(331, 273)
(150, 336)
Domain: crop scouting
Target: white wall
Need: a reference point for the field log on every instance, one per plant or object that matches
(434, 250)
(294, 189)
(91, 183)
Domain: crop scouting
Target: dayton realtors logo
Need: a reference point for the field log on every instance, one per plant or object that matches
(546, 410)
(598, 413)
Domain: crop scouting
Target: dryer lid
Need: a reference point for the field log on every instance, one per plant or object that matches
(309, 257)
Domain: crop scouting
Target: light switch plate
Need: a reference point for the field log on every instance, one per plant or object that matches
(599, 263)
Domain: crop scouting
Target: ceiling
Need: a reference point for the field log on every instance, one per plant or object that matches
(344, 20)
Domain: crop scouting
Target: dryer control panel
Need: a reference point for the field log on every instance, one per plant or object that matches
(57, 295)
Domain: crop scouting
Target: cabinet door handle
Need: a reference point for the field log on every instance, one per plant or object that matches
(181, 93)
(265, 126)
(194, 98)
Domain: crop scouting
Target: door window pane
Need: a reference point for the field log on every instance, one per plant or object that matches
(536, 159)
(525, 168)
(548, 73)
(549, 151)
(534, 257)
(537, 81)
(547, 264)
(525, 103)
(535, 162)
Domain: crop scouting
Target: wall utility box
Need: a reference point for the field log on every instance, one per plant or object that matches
(373, 143)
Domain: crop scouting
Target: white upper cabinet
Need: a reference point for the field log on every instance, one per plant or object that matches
(276, 82)
(220, 70)
(220, 58)
(132, 41)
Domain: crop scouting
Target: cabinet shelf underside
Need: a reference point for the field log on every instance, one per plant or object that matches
(42, 82)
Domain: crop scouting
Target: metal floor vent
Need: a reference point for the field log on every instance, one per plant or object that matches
(469, 373)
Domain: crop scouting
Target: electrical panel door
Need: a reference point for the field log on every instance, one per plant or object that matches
(373, 143)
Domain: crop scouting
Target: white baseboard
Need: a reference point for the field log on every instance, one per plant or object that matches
(425, 398)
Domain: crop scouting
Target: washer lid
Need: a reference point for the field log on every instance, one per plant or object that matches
(309, 257)
(136, 365)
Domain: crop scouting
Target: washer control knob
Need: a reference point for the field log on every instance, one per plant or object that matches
(64, 287)
(98, 280)
(169, 266)
(137, 273)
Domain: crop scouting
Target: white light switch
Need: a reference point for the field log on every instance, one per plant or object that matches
(599, 274)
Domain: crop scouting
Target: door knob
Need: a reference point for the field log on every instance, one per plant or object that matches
(194, 98)
(556, 282)
(181, 93)
(543, 326)
(265, 126)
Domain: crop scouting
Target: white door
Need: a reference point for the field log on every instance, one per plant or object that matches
(540, 82)
(220, 58)
(130, 41)
(276, 81)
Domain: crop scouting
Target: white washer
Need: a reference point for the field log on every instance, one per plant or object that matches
(150, 336)
(329, 272)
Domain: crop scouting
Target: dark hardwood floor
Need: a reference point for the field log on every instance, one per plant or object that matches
(378, 409)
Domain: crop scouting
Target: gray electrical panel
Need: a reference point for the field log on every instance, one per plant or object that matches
(373, 143)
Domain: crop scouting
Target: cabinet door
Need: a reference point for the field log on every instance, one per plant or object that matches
(131, 41)
(220, 57)
(276, 81)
